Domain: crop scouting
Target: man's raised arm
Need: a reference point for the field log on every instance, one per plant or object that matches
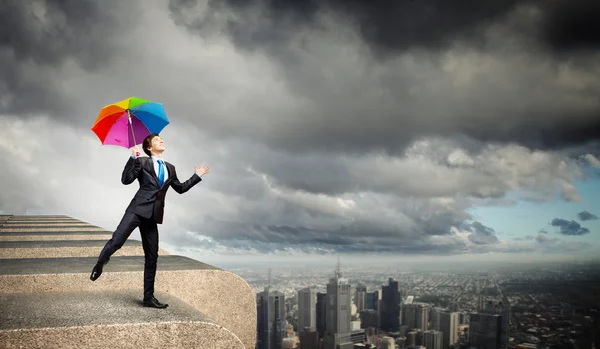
(132, 167)
(187, 185)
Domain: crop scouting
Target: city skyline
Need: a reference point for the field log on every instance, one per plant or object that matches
(467, 307)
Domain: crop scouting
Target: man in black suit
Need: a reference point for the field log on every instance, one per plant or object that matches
(146, 208)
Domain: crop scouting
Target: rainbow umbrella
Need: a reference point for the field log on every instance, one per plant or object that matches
(120, 123)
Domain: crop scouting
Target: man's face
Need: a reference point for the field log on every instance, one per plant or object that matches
(157, 145)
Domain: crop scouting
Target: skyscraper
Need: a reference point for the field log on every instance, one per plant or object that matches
(433, 339)
(360, 298)
(387, 343)
(309, 338)
(449, 326)
(486, 326)
(390, 306)
(321, 313)
(338, 313)
(270, 307)
(372, 298)
(369, 318)
(307, 309)
(485, 331)
(416, 315)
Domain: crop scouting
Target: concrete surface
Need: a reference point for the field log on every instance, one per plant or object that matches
(37, 223)
(63, 309)
(95, 320)
(66, 248)
(62, 243)
(21, 237)
(41, 234)
(5, 229)
(74, 265)
(55, 252)
(46, 266)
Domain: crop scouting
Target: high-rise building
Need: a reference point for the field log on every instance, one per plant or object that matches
(486, 325)
(338, 329)
(270, 307)
(360, 298)
(372, 298)
(309, 338)
(390, 307)
(387, 343)
(401, 342)
(485, 331)
(433, 339)
(411, 338)
(416, 315)
(321, 313)
(307, 308)
(448, 324)
(368, 318)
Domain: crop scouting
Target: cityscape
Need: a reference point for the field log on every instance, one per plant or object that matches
(336, 174)
(551, 306)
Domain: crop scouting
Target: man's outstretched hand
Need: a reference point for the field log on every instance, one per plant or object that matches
(135, 151)
(201, 170)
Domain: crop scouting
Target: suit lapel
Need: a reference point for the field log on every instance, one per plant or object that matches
(150, 168)
(171, 169)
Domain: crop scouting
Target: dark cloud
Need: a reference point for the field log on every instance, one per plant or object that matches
(543, 239)
(38, 39)
(481, 235)
(385, 25)
(572, 25)
(586, 216)
(569, 227)
(482, 109)
(388, 25)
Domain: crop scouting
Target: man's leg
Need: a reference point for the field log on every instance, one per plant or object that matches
(149, 233)
(128, 223)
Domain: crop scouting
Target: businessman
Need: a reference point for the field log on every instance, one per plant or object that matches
(146, 208)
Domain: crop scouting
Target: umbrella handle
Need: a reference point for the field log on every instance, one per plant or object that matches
(131, 125)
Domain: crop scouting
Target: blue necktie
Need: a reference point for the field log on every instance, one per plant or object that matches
(161, 173)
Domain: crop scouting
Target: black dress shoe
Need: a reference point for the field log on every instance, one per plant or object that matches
(97, 271)
(154, 303)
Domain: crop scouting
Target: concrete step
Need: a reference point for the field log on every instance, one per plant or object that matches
(40, 225)
(221, 296)
(58, 235)
(66, 248)
(106, 319)
(45, 228)
(33, 217)
(36, 223)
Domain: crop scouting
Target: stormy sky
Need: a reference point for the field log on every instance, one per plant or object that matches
(396, 128)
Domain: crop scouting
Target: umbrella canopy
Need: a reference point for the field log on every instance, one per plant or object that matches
(128, 122)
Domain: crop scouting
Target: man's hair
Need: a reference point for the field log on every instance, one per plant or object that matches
(147, 142)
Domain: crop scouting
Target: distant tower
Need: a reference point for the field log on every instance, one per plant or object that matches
(338, 312)
(360, 298)
(270, 319)
(307, 309)
(433, 339)
(449, 326)
(482, 291)
(390, 306)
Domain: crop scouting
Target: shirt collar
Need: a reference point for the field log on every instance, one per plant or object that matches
(155, 158)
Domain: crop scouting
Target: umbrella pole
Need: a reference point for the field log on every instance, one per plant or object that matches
(131, 125)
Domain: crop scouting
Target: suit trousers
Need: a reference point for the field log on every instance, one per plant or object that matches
(149, 233)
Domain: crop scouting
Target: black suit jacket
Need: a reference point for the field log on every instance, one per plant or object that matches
(150, 198)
